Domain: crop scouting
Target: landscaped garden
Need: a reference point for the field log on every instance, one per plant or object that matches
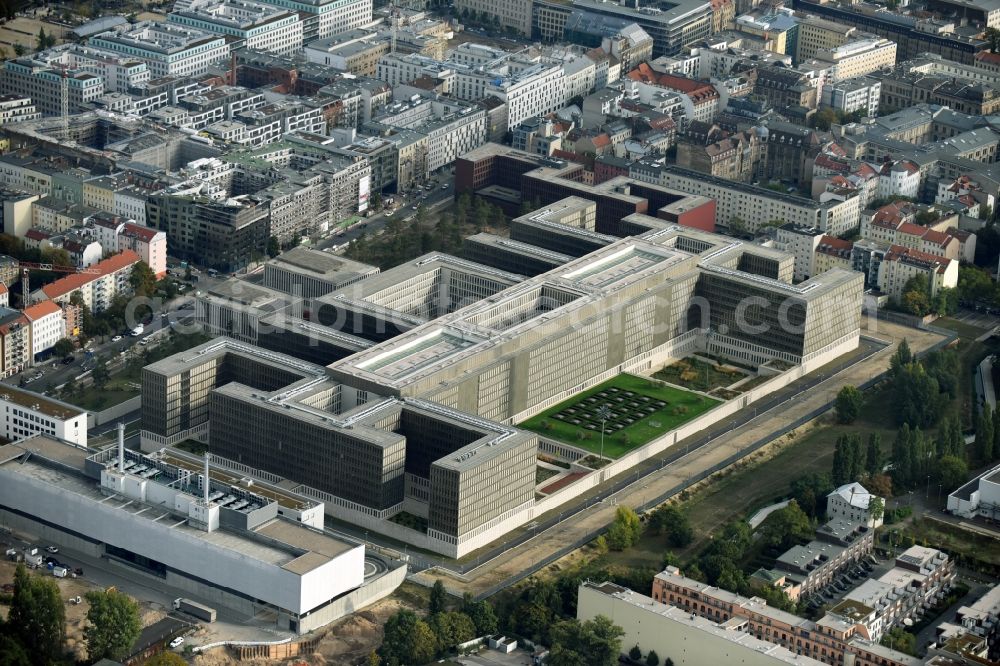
(693, 373)
(633, 410)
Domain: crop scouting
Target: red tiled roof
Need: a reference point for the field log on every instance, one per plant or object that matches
(3, 288)
(144, 234)
(936, 237)
(911, 229)
(910, 255)
(41, 309)
(36, 234)
(835, 243)
(71, 283)
(987, 56)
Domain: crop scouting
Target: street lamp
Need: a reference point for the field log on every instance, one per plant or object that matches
(603, 413)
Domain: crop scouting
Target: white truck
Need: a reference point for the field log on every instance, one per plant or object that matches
(60, 572)
(138, 330)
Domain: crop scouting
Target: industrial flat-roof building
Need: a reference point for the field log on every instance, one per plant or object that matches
(216, 537)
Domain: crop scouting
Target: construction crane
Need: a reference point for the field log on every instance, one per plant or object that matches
(27, 266)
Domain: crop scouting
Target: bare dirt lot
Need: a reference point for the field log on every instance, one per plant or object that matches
(24, 31)
(345, 642)
(76, 614)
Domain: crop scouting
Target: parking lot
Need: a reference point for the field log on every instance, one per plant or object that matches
(980, 319)
(852, 577)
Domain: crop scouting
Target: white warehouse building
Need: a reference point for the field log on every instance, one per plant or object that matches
(230, 543)
(978, 497)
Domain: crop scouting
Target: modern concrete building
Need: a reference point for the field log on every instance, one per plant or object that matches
(672, 25)
(15, 108)
(307, 273)
(749, 207)
(244, 23)
(168, 49)
(194, 526)
(978, 497)
(24, 414)
(376, 456)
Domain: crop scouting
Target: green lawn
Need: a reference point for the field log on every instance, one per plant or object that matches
(651, 410)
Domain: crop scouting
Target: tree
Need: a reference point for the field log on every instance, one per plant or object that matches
(12, 653)
(596, 642)
(482, 615)
(874, 460)
(42, 41)
(19, 50)
(876, 508)
(901, 357)
(37, 617)
(407, 640)
(273, 247)
(99, 375)
(166, 659)
(985, 435)
(63, 347)
(373, 659)
(452, 628)
(142, 279)
(113, 624)
(992, 36)
(669, 520)
(849, 401)
(952, 473)
(634, 653)
(652, 659)
(438, 598)
(823, 118)
(945, 302)
(786, 527)
(848, 459)
(898, 638)
(810, 492)
(625, 530)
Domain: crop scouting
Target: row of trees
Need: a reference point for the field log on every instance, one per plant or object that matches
(919, 459)
(35, 630)
(921, 390)
(853, 460)
(987, 445)
(402, 242)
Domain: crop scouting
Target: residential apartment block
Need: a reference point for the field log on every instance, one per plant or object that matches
(98, 288)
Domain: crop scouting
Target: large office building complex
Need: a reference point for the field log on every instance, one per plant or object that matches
(401, 390)
(168, 49)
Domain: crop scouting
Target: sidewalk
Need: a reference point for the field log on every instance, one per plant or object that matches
(512, 564)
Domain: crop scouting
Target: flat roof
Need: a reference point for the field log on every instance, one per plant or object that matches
(40, 403)
(308, 260)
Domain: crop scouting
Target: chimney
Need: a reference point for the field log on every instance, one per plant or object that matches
(121, 447)
(205, 484)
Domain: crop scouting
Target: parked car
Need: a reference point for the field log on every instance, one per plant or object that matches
(51, 549)
(75, 600)
(117, 338)
(68, 360)
(177, 642)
